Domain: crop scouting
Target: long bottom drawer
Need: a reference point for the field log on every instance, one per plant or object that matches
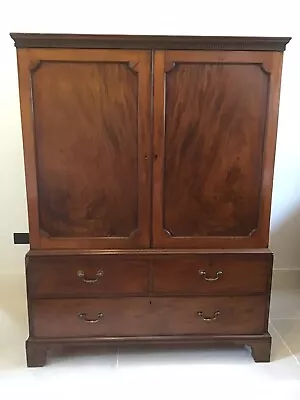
(148, 316)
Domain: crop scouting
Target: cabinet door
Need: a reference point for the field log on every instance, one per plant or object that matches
(215, 121)
(86, 118)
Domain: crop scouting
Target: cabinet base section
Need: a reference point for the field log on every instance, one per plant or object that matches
(37, 349)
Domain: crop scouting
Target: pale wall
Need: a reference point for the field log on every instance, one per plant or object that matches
(258, 18)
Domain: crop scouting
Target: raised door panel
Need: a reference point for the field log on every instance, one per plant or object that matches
(86, 137)
(214, 141)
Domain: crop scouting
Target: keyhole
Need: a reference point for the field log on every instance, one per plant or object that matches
(150, 302)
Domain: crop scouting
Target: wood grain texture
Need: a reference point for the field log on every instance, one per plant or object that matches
(215, 120)
(148, 316)
(260, 344)
(86, 141)
(136, 274)
(36, 40)
(211, 179)
(151, 252)
(91, 147)
(36, 354)
(86, 276)
(261, 349)
(212, 274)
(149, 179)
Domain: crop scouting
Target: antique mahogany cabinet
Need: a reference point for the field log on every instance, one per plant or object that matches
(149, 167)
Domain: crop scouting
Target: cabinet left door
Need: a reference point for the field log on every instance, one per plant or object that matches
(86, 135)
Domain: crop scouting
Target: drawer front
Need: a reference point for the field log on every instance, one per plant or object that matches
(148, 316)
(86, 276)
(216, 274)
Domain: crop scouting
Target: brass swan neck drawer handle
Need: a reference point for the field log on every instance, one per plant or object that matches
(208, 319)
(203, 273)
(81, 275)
(90, 321)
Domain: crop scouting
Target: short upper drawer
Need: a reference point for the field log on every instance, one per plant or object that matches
(213, 274)
(72, 276)
(153, 316)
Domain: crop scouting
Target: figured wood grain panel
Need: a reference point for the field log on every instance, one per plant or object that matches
(86, 142)
(86, 135)
(215, 127)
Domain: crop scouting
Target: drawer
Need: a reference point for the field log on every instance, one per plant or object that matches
(142, 316)
(86, 276)
(213, 274)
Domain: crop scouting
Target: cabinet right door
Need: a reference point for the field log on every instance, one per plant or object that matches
(215, 123)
